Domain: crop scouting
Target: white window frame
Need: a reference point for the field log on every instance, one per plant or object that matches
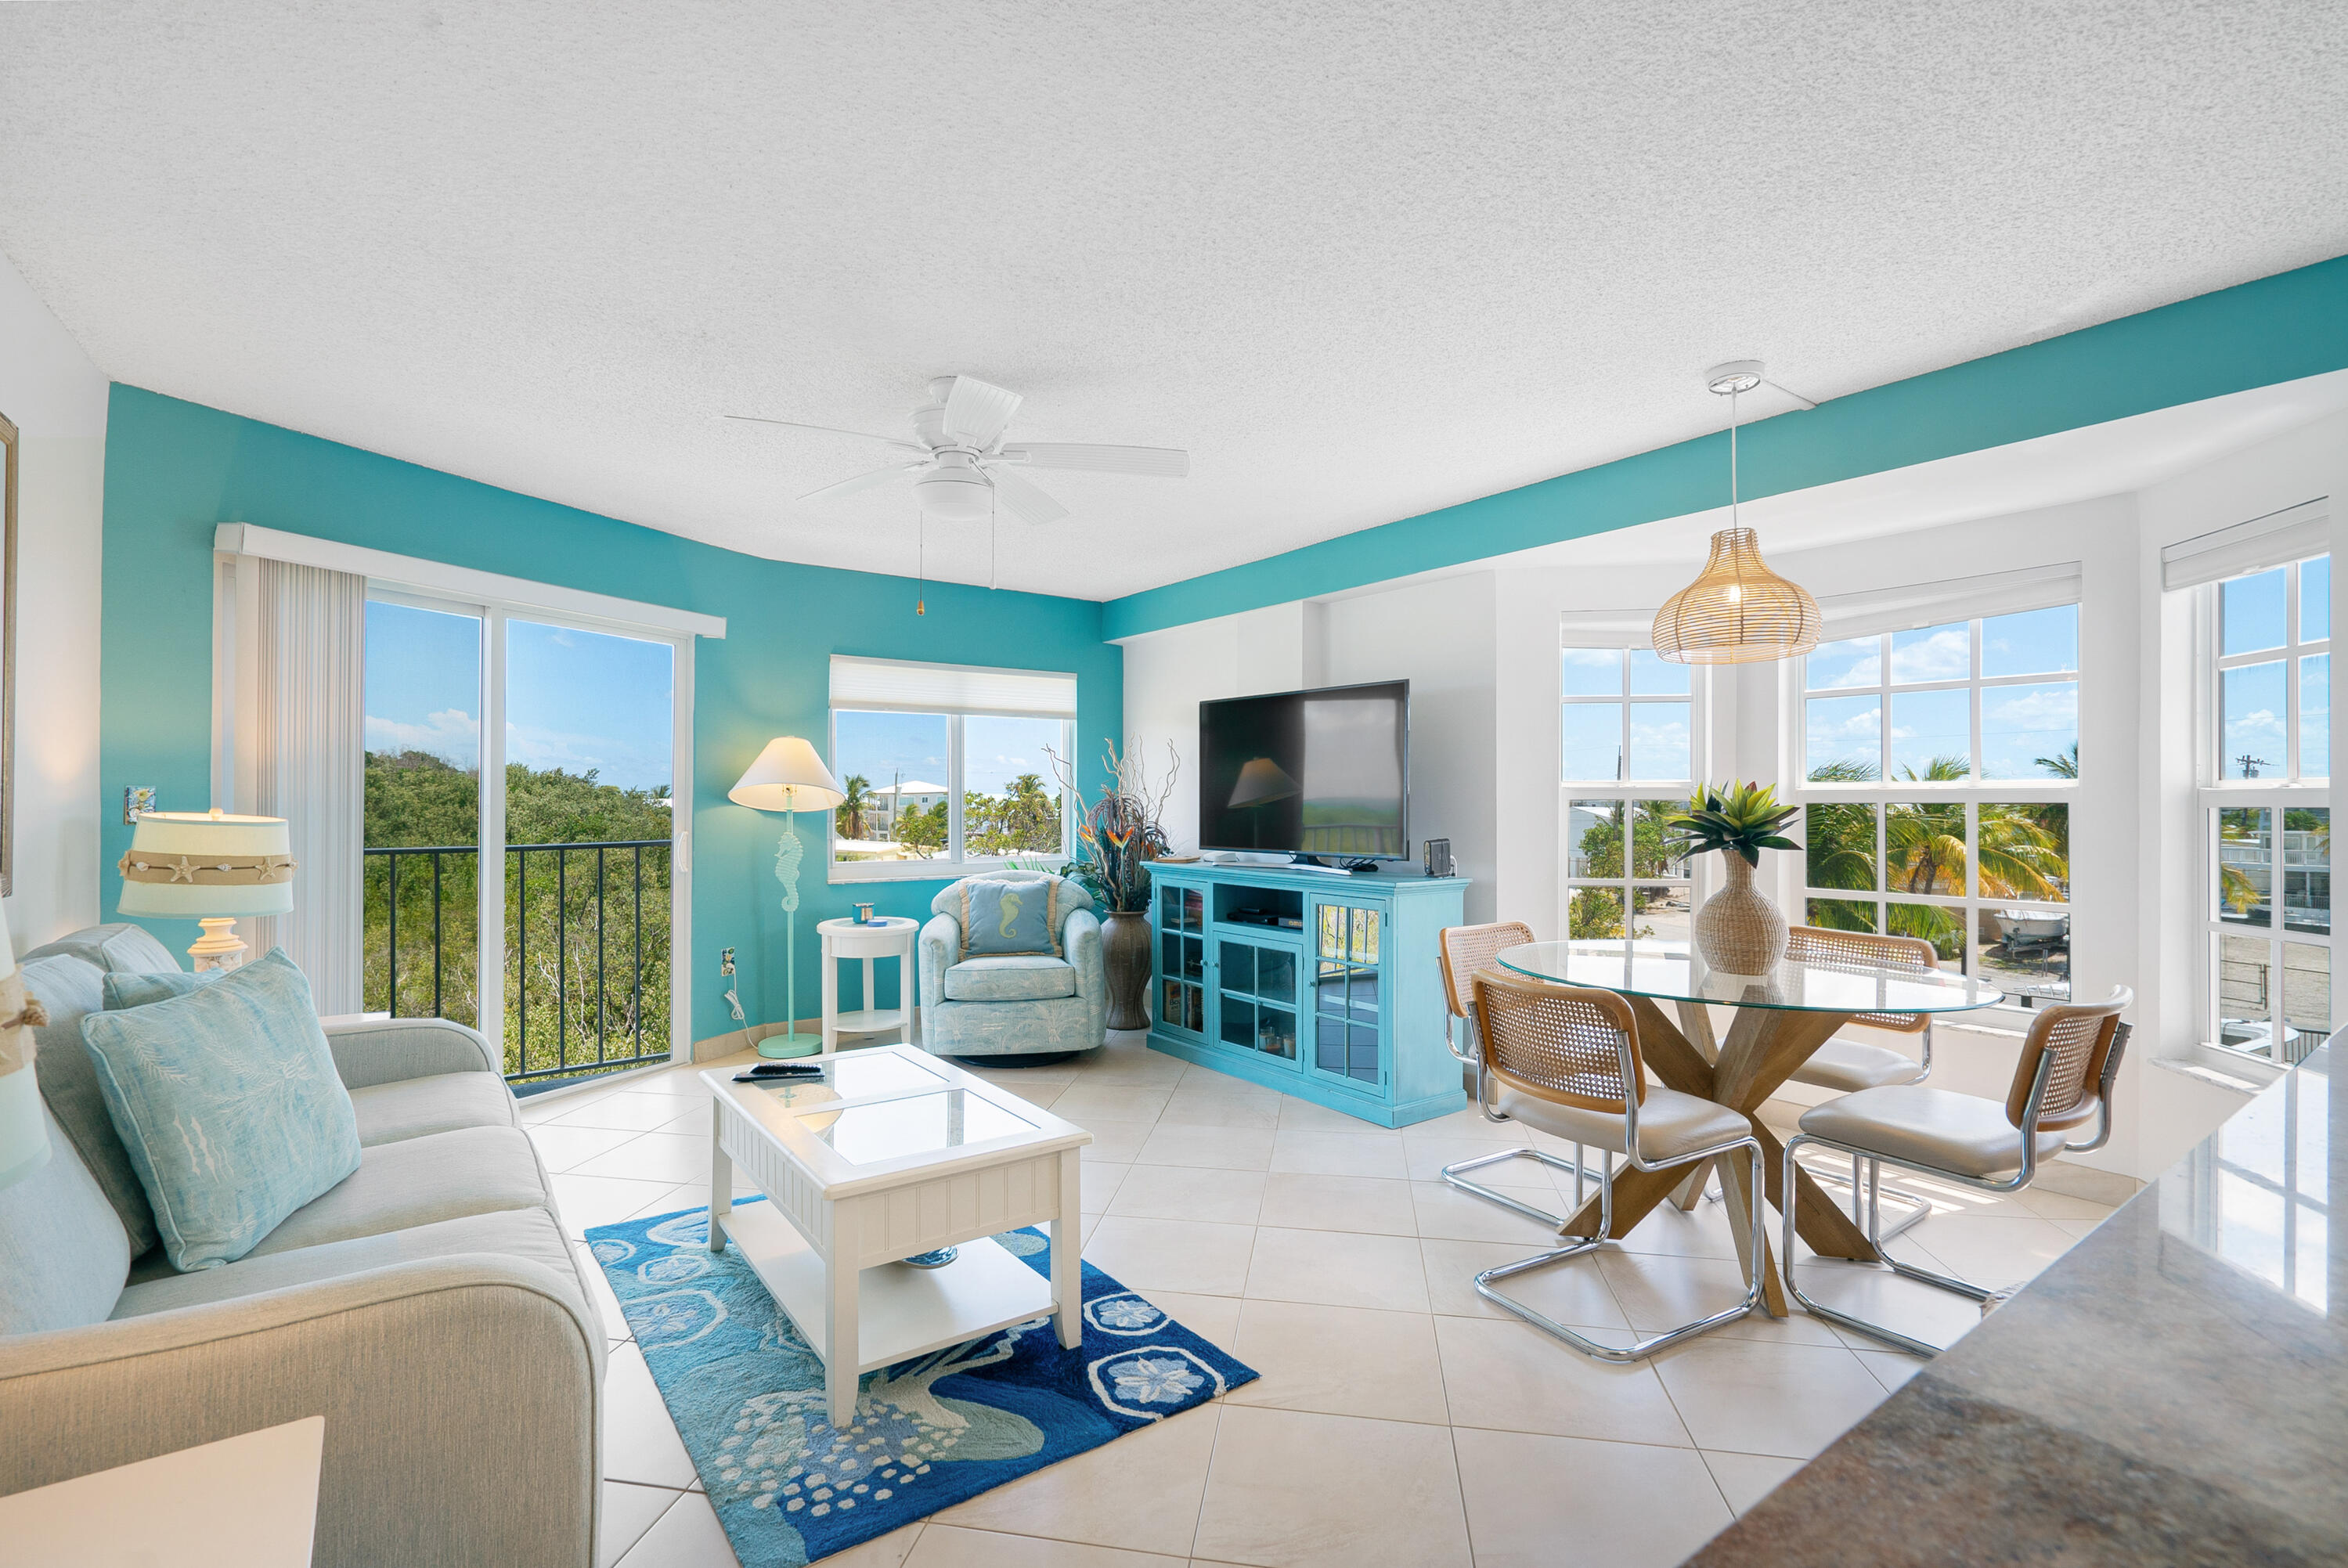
(2217, 793)
(1626, 633)
(494, 599)
(1972, 602)
(955, 862)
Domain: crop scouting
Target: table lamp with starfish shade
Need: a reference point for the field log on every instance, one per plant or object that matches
(209, 867)
(789, 777)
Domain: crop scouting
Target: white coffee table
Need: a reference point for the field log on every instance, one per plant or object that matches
(892, 1154)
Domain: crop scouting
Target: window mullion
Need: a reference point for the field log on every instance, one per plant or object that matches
(953, 788)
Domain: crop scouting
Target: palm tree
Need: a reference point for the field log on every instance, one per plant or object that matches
(2022, 851)
(850, 816)
(2063, 764)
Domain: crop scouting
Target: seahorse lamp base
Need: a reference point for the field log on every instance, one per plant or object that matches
(790, 1042)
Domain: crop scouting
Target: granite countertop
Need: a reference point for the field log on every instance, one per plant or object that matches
(2174, 1389)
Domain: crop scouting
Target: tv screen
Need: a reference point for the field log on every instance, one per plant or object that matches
(1308, 772)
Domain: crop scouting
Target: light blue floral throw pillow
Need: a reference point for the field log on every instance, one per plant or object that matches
(228, 1101)
(1003, 916)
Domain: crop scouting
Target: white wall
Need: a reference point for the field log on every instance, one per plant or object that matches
(57, 399)
(1437, 635)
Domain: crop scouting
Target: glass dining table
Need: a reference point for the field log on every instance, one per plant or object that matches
(1780, 1018)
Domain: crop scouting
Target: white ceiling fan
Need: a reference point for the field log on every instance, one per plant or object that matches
(963, 468)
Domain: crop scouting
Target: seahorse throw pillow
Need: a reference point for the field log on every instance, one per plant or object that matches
(1001, 916)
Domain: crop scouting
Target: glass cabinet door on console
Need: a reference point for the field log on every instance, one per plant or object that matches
(1255, 996)
(1347, 996)
(1182, 958)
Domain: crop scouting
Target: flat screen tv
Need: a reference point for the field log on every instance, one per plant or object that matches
(1308, 773)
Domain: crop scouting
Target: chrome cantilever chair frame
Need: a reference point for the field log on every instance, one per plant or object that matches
(1626, 1045)
(1473, 1060)
(1864, 1195)
(2028, 1132)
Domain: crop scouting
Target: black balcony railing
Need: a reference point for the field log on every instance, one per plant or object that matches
(586, 985)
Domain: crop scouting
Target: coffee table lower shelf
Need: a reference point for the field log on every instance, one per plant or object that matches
(900, 1311)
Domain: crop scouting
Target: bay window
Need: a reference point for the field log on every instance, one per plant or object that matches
(1940, 756)
(1629, 758)
(2266, 812)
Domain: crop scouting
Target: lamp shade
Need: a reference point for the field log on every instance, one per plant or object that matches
(1737, 610)
(24, 1126)
(787, 777)
(182, 866)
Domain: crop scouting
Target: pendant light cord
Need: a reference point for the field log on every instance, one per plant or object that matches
(1731, 457)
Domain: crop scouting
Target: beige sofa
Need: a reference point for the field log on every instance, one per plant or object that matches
(428, 1306)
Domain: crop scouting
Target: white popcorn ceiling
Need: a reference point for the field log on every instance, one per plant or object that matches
(1363, 261)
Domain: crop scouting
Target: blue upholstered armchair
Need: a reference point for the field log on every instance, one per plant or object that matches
(1014, 1005)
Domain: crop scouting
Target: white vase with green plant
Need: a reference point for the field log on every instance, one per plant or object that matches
(1739, 931)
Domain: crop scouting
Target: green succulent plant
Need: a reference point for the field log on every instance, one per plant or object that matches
(1744, 818)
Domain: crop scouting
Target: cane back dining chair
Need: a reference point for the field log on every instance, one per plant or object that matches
(2062, 1079)
(1462, 951)
(1847, 1066)
(1565, 1059)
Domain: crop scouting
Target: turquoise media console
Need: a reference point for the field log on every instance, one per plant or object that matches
(1320, 985)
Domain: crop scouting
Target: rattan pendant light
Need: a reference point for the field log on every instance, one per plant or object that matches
(1737, 610)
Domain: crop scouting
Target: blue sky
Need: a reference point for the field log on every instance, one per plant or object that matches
(574, 700)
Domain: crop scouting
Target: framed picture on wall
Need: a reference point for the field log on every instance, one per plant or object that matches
(8, 659)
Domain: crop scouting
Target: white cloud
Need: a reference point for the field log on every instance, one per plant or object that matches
(1946, 654)
(452, 735)
(2036, 707)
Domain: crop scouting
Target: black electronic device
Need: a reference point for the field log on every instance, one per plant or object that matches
(1308, 773)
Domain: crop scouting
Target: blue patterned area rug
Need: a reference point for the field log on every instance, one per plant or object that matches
(747, 1394)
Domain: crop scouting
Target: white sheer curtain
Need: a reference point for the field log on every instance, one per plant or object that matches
(296, 701)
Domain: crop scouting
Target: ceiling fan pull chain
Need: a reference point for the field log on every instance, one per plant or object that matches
(920, 563)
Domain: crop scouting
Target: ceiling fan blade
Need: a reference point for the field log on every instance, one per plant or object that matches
(977, 411)
(864, 481)
(803, 425)
(1161, 462)
(1022, 500)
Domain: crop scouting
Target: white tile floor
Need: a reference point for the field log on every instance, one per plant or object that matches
(1401, 1419)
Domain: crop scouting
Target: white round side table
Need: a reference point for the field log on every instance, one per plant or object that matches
(889, 936)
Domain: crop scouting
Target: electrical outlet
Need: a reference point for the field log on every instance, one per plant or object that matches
(726, 962)
(137, 799)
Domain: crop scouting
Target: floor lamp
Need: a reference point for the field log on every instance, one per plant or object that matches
(789, 777)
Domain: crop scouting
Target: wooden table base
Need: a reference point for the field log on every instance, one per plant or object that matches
(1764, 1045)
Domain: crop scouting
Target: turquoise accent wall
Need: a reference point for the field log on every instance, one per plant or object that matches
(2276, 329)
(176, 470)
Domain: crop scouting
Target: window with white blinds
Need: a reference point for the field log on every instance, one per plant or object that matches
(947, 767)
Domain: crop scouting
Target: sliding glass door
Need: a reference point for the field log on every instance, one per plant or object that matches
(548, 750)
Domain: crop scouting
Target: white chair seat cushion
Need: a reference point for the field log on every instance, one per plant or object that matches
(1670, 1123)
(1959, 1132)
(1849, 1067)
(1026, 977)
